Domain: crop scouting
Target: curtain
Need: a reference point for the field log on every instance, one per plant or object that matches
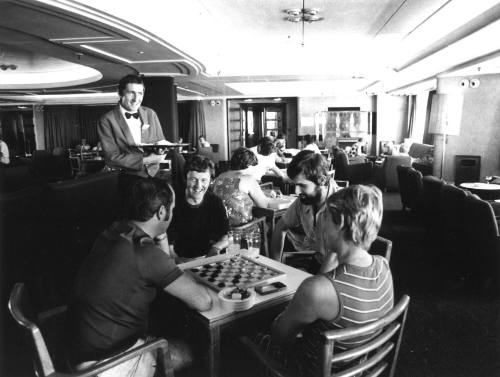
(13, 132)
(412, 105)
(196, 123)
(61, 127)
(66, 126)
(88, 117)
(428, 137)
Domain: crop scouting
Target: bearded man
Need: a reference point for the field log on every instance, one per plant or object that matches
(309, 172)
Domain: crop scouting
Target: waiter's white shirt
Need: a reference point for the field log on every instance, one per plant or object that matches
(134, 125)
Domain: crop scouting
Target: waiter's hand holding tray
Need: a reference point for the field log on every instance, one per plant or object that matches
(160, 148)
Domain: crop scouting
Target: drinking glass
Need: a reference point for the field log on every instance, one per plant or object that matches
(235, 246)
(489, 178)
(254, 244)
(230, 235)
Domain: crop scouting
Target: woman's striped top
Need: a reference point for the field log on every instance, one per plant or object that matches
(365, 294)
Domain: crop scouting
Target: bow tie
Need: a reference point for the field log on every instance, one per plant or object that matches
(135, 115)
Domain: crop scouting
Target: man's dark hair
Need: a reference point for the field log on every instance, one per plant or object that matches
(243, 158)
(200, 164)
(146, 196)
(266, 147)
(130, 79)
(313, 165)
(307, 138)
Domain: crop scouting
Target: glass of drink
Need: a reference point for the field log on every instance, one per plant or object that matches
(254, 244)
(489, 178)
(235, 246)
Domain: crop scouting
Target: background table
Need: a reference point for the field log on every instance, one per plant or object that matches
(272, 215)
(214, 322)
(486, 191)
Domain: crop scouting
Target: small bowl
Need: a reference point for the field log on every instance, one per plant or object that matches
(236, 305)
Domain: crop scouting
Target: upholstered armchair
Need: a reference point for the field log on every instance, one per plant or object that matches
(387, 178)
(354, 173)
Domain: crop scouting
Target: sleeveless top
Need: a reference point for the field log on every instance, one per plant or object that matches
(238, 204)
(365, 294)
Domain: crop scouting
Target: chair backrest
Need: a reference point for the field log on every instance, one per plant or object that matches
(376, 355)
(381, 246)
(483, 242)
(340, 163)
(19, 307)
(452, 215)
(414, 188)
(402, 173)
(389, 165)
(481, 229)
(432, 187)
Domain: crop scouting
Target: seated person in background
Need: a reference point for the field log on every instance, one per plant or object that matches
(387, 148)
(310, 144)
(238, 189)
(202, 142)
(272, 136)
(199, 225)
(309, 172)
(339, 163)
(354, 287)
(280, 144)
(110, 303)
(4, 153)
(266, 161)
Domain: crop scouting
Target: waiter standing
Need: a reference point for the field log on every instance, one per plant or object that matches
(128, 125)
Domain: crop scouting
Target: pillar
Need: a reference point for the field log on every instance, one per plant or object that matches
(161, 96)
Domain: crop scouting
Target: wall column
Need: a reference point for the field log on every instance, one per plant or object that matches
(161, 96)
(38, 122)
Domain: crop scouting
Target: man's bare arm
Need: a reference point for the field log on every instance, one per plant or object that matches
(278, 240)
(192, 293)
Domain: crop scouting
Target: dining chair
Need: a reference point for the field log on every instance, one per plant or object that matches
(45, 333)
(380, 353)
(381, 246)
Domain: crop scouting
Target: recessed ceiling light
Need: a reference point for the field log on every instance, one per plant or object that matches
(248, 100)
(277, 99)
(140, 52)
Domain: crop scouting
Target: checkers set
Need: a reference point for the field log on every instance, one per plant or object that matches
(235, 271)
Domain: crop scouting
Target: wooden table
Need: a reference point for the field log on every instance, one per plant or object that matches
(486, 191)
(215, 322)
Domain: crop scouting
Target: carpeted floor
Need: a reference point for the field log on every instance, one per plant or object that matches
(451, 330)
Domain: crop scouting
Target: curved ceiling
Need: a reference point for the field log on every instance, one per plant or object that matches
(215, 48)
(30, 70)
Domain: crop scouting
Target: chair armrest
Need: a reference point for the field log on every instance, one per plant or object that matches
(274, 366)
(128, 355)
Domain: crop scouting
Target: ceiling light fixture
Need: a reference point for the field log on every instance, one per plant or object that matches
(303, 15)
(5, 67)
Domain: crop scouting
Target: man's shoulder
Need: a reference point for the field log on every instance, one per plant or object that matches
(212, 199)
(126, 230)
(147, 110)
(109, 114)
